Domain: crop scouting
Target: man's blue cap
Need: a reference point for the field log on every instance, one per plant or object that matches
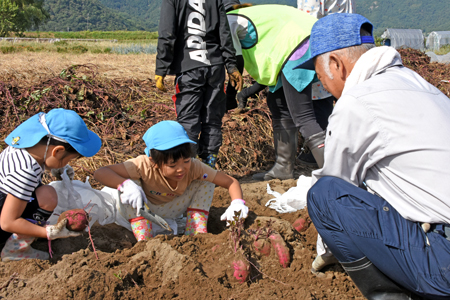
(334, 32)
(165, 135)
(60, 124)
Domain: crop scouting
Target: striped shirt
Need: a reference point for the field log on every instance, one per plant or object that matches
(20, 173)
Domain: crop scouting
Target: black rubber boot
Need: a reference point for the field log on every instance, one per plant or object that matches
(316, 144)
(285, 140)
(373, 284)
(306, 158)
(322, 109)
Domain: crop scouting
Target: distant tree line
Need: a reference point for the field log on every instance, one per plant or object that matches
(20, 15)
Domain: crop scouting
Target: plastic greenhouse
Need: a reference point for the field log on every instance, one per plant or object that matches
(437, 39)
(403, 38)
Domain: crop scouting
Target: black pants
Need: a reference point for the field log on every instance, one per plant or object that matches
(323, 109)
(200, 105)
(32, 213)
(288, 103)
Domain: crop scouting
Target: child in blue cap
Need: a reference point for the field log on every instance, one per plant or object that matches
(43, 142)
(170, 182)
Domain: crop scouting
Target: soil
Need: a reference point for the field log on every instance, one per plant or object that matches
(165, 267)
(179, 267)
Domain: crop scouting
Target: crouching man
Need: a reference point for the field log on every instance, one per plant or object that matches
(381, 202)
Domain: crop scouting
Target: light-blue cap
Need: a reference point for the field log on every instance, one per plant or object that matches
(165, 135)
(334, 32)
(59, 123)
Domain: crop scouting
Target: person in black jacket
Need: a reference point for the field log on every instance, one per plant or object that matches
(194, 44)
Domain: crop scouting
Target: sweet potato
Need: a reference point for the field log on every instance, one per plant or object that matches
(241, 270)
(262, 246)
(301, 224)
(77, 219)
(281, 249)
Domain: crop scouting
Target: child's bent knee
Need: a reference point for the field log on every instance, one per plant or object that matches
(47, 197)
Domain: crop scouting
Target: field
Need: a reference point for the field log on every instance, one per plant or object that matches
(116, 96)
(94, 42)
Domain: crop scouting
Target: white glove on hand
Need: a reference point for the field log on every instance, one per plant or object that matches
(132, 194)
(60, 230)
(235, 206)
(58, 172)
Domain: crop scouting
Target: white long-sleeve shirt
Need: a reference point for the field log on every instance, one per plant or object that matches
(392, 132)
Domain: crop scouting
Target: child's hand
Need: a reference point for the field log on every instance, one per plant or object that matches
(59, 231)
(58, 172)
(235, 206)
(133, 195)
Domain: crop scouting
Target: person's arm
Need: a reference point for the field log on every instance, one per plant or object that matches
(167, 35)
(228, 50)
(237, 204)
(231, 184)
(112, 176)
(11, 220)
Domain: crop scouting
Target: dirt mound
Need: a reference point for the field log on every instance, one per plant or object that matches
(178, 267)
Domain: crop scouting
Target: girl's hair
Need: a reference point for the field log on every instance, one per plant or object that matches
(181, 151)
(68, 147)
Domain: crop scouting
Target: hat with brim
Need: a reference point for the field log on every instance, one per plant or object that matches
(334, 32)
(165, 135)
(61, 124)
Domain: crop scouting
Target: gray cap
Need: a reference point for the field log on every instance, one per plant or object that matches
(228, 4)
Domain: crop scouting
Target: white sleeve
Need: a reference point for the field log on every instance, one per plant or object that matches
(235, 29)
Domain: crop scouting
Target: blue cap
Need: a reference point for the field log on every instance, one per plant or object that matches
(165, 135)
(335, 32)
(60, 124)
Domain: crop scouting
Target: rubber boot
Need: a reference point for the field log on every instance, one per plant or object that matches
(142, 228)
(285, 140)
(196, 221)
(373, 284)
(322, 109)
(316, 144)
(306, 158)
(18, 247)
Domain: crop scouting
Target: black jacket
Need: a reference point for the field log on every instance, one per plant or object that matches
(193, 36)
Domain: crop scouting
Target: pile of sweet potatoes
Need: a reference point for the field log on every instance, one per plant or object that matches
(254, 244)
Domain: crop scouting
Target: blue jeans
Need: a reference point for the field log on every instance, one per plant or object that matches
(356, 224)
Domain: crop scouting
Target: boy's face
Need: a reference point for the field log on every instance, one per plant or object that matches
(176, 170)
(59, 158)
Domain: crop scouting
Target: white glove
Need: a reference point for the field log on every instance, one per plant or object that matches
(235, 206)
(132, 194)
(58, 172)
(60, 230)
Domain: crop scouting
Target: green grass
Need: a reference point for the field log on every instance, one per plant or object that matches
(80, 47)
(121, 36)
(443, 50)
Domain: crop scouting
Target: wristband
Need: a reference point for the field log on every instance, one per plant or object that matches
(120, 185)
(243, 201)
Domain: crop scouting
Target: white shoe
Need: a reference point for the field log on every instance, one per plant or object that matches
(320, 262)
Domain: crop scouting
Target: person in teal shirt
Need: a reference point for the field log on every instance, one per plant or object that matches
(273, 40)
